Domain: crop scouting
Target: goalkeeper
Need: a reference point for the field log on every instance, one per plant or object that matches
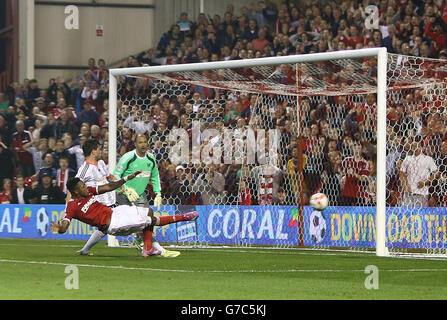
(133, 192)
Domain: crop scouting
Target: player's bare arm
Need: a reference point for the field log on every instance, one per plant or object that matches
(61, 226)
(112, 178)
(116, 184)
(68, 197)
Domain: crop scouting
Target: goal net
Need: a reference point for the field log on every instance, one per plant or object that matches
(247, 142)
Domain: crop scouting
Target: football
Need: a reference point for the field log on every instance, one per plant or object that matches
(319, 201)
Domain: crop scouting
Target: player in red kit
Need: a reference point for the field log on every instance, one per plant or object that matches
(119, 221)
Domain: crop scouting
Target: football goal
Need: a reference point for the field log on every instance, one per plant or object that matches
(247, 142)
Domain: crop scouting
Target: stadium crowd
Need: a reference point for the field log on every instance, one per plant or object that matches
(42, 130)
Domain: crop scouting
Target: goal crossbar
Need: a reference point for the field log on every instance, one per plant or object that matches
(249, 63)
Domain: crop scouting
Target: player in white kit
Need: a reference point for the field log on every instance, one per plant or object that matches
(94, 173)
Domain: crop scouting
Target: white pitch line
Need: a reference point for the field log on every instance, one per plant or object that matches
(90, 265)
(214, 271)
(229, 250)
(39, 245)
(291, 251)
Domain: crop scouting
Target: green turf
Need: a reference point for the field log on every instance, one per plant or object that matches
(35, 269)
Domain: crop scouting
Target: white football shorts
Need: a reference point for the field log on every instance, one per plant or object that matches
(128, 219)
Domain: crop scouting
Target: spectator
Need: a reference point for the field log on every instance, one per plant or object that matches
(435, 29)
(89, 114)
(49, 129)
(314, 167)
(244, 194)
(63, 174)
(6, 193)
(260, 42)
(267, 180)
(252, 31)
(46, 193)
(259, 14)
(330, 178)
(90, 91)
(76, 150)
(184, 23)
(58, 86)
(101, 71)
(7, 162)
(92, 65)
(354, 175)
(95, 133)
(33, 92)
(181, 187)
(4, 103)
(64, 125)
(48, 166)
(5, 132)
(22, 194)
(21, 140)
(417, 173)
(61, 152)
(388, 40)
(38, 149)
(211, 186)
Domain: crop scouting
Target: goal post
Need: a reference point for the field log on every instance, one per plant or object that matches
(381, 249)
(312, 86)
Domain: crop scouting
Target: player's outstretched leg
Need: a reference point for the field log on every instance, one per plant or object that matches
(148, 248)
(138, 241)
(94, 239)
(164, 220)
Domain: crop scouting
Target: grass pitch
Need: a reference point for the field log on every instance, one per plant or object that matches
(36, 269)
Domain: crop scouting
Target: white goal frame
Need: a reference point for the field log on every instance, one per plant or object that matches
(379, 53)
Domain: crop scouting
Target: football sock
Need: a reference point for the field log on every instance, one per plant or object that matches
(94, 239)
(164, 220)
(147, 236)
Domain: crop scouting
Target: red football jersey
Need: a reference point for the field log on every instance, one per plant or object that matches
(89, 210)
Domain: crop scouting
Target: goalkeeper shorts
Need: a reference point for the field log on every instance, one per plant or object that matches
(126, 220)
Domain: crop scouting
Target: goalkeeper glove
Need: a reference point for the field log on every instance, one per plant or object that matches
(157, 201)
(131, 194)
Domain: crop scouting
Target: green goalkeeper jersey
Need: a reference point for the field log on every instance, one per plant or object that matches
(131, 162)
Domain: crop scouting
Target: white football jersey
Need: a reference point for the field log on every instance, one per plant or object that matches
(94, 176)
